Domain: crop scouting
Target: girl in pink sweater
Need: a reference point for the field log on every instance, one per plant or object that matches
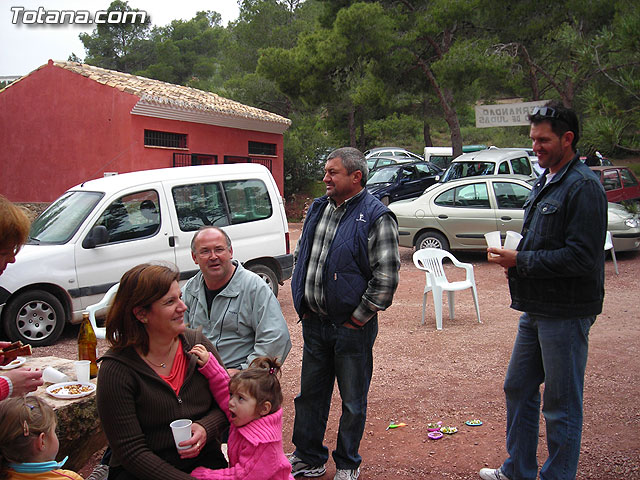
(251, 400)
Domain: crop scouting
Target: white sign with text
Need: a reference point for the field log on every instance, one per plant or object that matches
(505, 114)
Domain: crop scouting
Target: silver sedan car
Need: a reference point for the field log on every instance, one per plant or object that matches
(455, 215)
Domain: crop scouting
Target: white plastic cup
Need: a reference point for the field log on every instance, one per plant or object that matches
(51, 375)
(493, 239)
(512, 240)
(181, 430)
(82, 370)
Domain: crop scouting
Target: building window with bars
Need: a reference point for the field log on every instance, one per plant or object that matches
(260, 148)
(154, 138)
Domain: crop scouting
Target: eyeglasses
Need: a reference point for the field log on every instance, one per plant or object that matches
(206, 253)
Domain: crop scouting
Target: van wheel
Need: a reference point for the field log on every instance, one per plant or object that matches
(35, 317)
(266, 274)
(432, 240)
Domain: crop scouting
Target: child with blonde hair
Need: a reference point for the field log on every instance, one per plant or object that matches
(251, 400)
(28, 441)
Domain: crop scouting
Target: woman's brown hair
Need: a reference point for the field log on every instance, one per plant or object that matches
(139, 287)
(14, 226)
(22, 419)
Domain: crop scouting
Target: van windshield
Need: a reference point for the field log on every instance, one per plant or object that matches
(467, 169)
(58, 223)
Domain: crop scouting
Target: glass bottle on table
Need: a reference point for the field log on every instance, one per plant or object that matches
(88, 344)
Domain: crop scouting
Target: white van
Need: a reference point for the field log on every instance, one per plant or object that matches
(443, 156)
(83, 243)
(493, 161)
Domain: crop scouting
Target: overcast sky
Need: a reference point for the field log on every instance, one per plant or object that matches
(24, 48)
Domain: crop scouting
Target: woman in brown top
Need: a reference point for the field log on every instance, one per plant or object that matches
(148, 379)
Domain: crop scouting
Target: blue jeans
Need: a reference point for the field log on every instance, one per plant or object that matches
(553, 351)
(333, 352)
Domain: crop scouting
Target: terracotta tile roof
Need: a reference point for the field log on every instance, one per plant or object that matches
(177, 96)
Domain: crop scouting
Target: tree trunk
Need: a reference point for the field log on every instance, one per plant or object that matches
(360, 119)
(352, 128)
(451, 117)
(446, 102)
(426, 129)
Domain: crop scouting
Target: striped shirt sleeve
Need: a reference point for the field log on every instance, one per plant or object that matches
(384, 259)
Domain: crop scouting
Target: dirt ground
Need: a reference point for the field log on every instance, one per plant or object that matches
(422, 375)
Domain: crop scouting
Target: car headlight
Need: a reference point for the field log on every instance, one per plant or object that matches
(632, 222)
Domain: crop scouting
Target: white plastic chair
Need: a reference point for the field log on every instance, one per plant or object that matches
(430, 261)
(608, 245)
(101, 332)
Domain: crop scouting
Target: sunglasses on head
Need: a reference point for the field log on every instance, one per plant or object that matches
(546, 112)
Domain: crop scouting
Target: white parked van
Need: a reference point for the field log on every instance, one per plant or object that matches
(442, 156)
(493, 161)
(83, 243)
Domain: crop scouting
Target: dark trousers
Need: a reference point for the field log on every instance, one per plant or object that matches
(333, 352)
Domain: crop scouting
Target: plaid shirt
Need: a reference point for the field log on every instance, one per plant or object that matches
(384, 260)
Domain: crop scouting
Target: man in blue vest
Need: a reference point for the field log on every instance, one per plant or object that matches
(346, 270)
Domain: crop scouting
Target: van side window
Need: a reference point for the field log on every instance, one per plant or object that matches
(474, 195)
(627, 178)
(503, 169)
(610, 180)
(132, 216)
(510, 195)
(199, 205)
(248, 200)
(446, 199)
(221, 203)
(521, 166)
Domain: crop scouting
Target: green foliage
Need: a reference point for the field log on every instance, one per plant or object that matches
(603, 134)
(397, 130)
(307, 145)
(186, 51)
(373, 73)
(497, 136)
(123, 46)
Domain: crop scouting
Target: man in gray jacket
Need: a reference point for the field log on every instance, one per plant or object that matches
(235, 307)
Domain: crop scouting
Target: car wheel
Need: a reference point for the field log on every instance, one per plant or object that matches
(35, 317)
(266, 274)
(432, 240)
(385, 200)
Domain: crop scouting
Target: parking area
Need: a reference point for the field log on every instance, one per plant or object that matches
(456, 374)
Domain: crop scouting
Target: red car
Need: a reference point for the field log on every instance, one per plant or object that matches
(619, 182)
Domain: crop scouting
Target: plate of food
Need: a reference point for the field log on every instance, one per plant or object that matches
(434, 427)
(19, 361)
(13, 351)
(476, 422)
(68, 390)
(449, 430)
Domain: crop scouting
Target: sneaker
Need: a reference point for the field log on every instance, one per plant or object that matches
(492, 474)
(298, 467)
(342, 474)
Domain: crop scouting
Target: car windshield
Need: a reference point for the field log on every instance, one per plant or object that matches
(58, 223)
(383, 175)
(467, 169)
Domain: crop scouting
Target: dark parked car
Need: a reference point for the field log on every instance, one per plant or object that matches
(392, 152)
(401, 181)
(377, 162)
(619, 182)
